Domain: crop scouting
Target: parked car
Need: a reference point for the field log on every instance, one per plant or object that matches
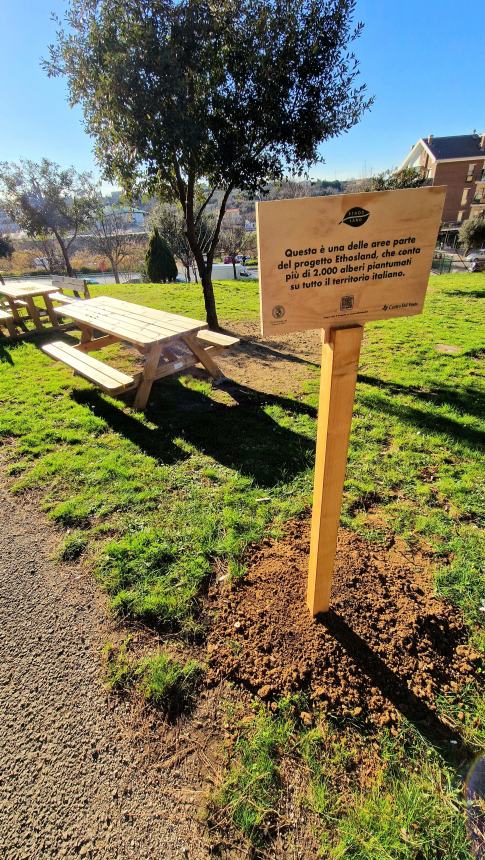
(476, 255)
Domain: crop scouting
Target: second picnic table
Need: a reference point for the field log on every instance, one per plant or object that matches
(169, 343)
(22, 293)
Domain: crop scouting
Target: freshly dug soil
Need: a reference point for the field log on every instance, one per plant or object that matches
(387, 646)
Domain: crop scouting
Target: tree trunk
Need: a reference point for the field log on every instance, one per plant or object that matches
(234, 268)
(69, 269)
(115, 269)
(209, 300)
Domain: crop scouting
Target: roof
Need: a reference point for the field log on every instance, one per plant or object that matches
(458, 146)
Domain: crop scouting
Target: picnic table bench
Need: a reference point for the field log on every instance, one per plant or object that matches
(169, 343)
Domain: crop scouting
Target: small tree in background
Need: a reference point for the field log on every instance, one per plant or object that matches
(6, 251)
(231, 240)
(110, 237)
(389, 180)
(47, 200)
(170, 221)
(472, 234)
(160, 262)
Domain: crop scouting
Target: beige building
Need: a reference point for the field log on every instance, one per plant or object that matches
(459, 163)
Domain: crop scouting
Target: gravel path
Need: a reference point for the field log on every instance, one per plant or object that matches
(75, 779)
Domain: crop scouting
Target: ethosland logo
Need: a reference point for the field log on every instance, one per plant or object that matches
(355, 217)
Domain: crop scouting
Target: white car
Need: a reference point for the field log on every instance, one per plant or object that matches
(476, 255)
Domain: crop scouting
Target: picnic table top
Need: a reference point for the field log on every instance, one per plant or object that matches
(25, 289)
(136, 324)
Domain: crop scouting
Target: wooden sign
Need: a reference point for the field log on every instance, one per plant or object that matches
(347, 258)
(335, 263)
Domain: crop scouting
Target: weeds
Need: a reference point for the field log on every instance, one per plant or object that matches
(72, 547)
(163, 681)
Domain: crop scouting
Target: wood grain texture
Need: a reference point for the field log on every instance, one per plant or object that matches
(340, 359)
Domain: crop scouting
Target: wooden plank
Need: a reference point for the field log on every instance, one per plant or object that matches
(105, 320)
(107, 377)
(34, 313)
(154, 313)
(340, 359)
(50, 310)
(204, 358)
(60, 297)
(216, 338)
(25, 289)
(96, 343)
(148, 377)
(175, 366)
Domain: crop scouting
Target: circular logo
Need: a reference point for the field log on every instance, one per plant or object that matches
(355, 217)
(278, 312)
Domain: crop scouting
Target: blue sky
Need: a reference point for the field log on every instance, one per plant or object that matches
(421, 61)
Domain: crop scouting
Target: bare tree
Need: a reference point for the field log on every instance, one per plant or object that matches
(231, 239)
(110, 237)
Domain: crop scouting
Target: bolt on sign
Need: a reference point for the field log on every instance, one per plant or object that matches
(335, 263)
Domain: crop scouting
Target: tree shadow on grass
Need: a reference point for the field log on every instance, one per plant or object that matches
(465, 398)
(241, 436)
(427, 421)
(449, 743)
(472, 294)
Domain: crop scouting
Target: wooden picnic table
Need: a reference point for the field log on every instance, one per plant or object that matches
(19, 293)
(169, 343)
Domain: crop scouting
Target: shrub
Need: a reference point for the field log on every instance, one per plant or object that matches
(160, 262)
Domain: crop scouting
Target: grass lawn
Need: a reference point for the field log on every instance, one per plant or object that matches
(152, 501)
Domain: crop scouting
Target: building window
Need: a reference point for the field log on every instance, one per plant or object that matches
(471, 168)
(464, 197)
(460, 215)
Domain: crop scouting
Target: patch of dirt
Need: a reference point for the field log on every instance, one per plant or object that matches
(274, 366)
(388, 645)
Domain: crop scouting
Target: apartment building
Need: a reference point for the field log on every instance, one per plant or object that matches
(459, 163)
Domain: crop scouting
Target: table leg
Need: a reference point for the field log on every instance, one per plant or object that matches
(34, 314)
(50, 310)
(86, 334)
(14, 309)
(205, 359)
(148, 377)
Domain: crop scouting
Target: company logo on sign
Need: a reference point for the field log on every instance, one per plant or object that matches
(355, 217)
(278, 312)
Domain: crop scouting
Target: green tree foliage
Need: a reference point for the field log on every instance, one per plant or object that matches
(408, 177)
(170, 221)
(6, 251)
(472, 234)
(6, 247)
(47, 200)
(160, 262)
(178, 93)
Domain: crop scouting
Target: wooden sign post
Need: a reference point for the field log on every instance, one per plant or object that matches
(335, 263)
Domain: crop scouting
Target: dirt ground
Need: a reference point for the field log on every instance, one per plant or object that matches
(388, 645)
(84, 774)
(272, 366)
